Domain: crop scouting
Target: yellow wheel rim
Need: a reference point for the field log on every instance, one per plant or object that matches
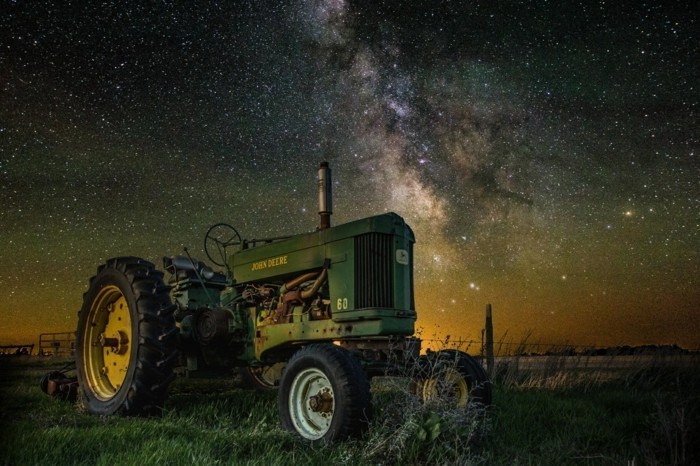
(449, 385)
(107, 342)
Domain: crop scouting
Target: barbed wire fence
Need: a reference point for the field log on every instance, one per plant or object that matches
(510, 348)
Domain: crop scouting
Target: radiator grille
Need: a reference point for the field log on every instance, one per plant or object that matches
(374, 259)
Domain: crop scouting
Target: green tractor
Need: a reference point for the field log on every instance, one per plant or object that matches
(314, 316)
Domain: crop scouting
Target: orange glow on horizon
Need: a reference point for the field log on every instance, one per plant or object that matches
(579, 320)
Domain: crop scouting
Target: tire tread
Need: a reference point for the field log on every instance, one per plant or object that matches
(156, 353)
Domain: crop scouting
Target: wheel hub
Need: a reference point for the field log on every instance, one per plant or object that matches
(321, 402)
(118, 343)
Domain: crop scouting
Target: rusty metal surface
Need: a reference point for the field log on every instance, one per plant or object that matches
(57, 385)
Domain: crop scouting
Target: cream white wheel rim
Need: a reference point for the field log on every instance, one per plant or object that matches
(311, 403)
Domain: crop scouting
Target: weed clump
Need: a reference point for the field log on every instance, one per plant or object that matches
(672, 429)
(407, 431)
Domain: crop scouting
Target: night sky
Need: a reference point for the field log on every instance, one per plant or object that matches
(545, 152)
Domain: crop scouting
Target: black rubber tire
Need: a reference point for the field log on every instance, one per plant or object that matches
(352, 410)
(434, 365)
(152, 349)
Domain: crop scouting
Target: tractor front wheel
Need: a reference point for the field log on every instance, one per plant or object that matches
(324, 394)
(125, 344)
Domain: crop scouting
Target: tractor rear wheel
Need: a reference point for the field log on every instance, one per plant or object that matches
(324, 394)
(126, 339)
(453, 377)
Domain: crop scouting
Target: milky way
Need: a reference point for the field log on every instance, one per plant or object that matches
(545, 154)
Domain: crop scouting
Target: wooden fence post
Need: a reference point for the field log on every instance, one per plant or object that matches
(490, 363)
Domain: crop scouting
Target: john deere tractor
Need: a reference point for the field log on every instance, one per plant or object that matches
(314, 316)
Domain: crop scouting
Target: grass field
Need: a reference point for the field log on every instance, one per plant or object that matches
(644, 415)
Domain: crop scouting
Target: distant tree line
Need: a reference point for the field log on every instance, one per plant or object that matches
(626, 350)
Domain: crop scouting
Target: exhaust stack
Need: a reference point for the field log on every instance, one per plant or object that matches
(325, 195)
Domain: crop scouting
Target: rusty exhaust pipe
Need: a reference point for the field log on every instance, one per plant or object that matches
(325, 195)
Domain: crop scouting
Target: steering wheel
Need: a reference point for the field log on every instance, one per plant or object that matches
(217, 239)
